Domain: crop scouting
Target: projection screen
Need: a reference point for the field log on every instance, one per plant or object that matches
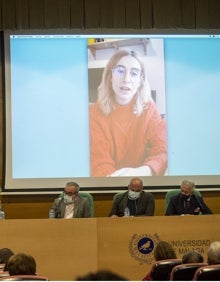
(52, 80)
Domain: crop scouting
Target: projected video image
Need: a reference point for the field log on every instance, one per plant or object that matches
(127, 131)
(100, 109)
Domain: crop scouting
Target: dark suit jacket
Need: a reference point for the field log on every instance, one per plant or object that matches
(81, 207)
(176, 205)
(145, 204)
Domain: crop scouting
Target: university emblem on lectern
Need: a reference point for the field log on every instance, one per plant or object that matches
(141, 247)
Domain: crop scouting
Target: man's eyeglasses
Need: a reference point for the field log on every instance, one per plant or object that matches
(70, 193)
(121, 72)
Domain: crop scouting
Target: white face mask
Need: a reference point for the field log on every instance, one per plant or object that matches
(68, 199)
(133, 195)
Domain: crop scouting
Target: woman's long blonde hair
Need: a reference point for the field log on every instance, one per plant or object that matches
(105, 91)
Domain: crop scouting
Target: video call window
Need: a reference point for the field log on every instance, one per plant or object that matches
(52, 82)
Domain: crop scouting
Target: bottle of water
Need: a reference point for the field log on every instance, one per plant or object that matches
(51, 213)
(2, 213)
(126, 212)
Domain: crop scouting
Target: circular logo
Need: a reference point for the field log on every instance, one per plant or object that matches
(146, 245)
(141, 247)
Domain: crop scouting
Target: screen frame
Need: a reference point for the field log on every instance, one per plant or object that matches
(101, 184)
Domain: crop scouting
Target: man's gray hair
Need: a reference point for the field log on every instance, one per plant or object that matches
(188, 183)
(72, 183)
(213, 253)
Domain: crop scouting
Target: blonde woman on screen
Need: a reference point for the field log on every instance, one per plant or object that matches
(128, 135)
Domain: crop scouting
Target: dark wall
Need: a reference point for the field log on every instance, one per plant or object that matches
(96, 14)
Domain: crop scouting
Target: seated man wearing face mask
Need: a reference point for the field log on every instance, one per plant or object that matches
(139, 202)
(186, 202)
(70, 204)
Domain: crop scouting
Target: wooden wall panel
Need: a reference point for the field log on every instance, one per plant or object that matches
(166, 14)
(91, 16)
(106, 16)
(202, 15)
(132, 14)
(22, 14)
(146, 14)
(63, 249)
(36, 14)
(0, 14)
(118, 12)
(51, 13)
(207, 14)
(8, 14)
(64, 13)
(188, 14)
(119, 238)
(214, 11)
(77, 18)
(66, 249)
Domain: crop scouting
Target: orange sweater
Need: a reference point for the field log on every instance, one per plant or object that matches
(123, 139)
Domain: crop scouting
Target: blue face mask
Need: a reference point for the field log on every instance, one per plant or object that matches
(133, 195)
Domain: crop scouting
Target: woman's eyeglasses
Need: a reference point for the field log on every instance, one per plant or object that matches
(121, 72)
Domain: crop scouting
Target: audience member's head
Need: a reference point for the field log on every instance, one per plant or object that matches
(21, 264)
(164, 250)
(192, 257)
(213, 253)
(5, 254)
(101, 275)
